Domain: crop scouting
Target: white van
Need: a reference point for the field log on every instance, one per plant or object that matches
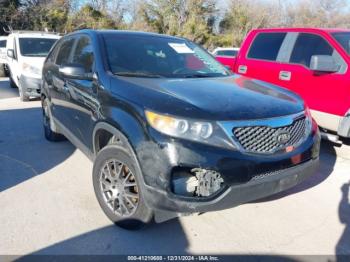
(26, 52)
(3, 59)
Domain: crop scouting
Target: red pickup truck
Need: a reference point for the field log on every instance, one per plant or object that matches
(312, 62)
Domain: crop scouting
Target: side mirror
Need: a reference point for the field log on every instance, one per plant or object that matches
(75, 71)
(11, 53)
(323, 63)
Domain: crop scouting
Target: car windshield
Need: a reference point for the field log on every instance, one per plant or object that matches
(343, 38)
(2, 43)
(36, 46)
(150, 56)
(226, 52)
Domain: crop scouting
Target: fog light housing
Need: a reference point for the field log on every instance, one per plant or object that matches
(197, 182)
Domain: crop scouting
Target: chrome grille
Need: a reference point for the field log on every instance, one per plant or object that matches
(263, 139)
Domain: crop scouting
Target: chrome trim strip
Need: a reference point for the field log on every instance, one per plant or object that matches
(271, 122)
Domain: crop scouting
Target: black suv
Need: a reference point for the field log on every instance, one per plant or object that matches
(169, 129)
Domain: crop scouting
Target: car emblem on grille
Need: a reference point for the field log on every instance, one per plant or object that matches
(282, 137)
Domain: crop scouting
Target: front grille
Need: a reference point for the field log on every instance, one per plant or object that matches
(263, 139)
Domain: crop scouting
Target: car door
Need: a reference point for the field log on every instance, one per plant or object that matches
(83, 92)
(60, 97)
(13, 63)
(323, 92)
(261, 59)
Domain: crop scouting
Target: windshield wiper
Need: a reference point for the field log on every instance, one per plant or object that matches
(197, 76)
(137, 74)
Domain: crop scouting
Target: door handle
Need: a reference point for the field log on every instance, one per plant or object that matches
(242, 69)
(285, 75)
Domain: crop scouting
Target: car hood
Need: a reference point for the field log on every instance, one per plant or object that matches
(37, 62)
(224, 98)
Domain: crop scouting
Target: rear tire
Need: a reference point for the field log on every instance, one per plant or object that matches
(117, 185)
(49, 134)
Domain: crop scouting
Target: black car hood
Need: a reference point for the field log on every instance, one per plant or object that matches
(224, 98)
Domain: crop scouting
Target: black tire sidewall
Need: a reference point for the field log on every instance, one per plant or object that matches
(12, 82)
(143, 215)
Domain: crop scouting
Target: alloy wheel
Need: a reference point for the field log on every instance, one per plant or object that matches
(119, 188)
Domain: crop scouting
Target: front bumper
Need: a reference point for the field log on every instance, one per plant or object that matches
(235, 194)
(272, 173)
(30, 86)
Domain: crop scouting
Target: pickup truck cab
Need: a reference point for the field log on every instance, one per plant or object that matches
(3, 59)
(26, 52)
(313, 63)
(226, 56)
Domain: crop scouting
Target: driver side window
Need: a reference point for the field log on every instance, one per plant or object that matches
(83, 54)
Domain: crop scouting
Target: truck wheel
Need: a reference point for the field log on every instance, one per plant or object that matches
(117, 186)
(49, 134)
(2, 70)
(12, 82)
(23, 97)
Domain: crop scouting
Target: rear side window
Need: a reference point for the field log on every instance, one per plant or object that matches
(2, 43)
(83, 54)
(266, 46)
(308, 45)
(64, 52)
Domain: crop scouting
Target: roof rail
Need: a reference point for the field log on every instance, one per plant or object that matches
(34, 32)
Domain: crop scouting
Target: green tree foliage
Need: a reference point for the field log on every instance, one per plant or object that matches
(49, 15)
(89, 17)
(198, 20)
(8, 13)
(192, 19)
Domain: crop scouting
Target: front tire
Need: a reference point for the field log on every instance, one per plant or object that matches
(12, 82)
(117, 185)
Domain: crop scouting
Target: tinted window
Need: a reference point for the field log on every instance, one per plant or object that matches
(145, 56)
(227, 52)
(52, 54)
(343, 38)
(266, 46)
(35, 46)
(308, 45)
(83, 53)
(64, 52)
(2, 43)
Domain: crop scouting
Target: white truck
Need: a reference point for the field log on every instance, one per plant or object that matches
(3, 58)
(26, 52)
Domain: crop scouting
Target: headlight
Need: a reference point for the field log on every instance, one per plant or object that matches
(308, 120)
(203, 132)
(31, 69)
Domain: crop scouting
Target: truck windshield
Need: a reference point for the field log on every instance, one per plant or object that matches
(158, 57)
(36, 46)
(343, 38)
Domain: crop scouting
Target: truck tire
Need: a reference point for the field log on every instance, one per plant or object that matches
(117, 185)
(12, 82)
(2, 70)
